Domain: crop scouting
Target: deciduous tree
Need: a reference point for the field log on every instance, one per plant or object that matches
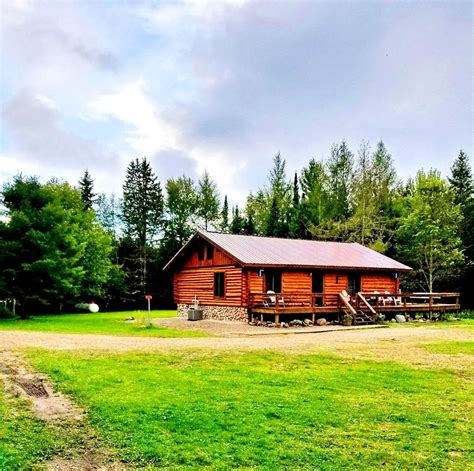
(428, 237)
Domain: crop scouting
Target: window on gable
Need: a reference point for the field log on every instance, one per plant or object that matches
(209, 251)
(219, 284)
(201, 252)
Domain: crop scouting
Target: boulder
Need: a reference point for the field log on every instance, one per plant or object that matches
(308, 322)
(321, 321)
(393, 320)
(285, 325)
(296, 323)
(400, 318)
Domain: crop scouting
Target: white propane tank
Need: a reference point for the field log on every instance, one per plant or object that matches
(93, 307)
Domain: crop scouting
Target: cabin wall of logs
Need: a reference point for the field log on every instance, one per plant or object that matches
(191, 282)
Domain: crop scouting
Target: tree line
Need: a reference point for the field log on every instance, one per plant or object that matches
(60, 244)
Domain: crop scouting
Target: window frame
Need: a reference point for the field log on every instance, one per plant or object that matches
(216, 285)
(209, 249)
(200, 251)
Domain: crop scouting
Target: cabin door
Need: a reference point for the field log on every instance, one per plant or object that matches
(273, 281)
(354, 283)
(317, 285)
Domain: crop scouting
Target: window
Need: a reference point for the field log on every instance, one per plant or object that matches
(219, 284)
(201, 252)
(273, 281)
(209, 251)
(354, 283)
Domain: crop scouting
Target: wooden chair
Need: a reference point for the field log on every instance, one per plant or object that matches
(272, 299)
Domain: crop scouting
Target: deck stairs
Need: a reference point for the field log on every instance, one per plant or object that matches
(362, 318)
(361, 311)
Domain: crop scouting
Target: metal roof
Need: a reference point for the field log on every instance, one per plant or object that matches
(270, 251)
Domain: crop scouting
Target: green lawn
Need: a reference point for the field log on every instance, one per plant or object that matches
(451, 347)
(268, 410)
(110, 323)
(24, 440)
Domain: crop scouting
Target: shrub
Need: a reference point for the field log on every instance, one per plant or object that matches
(5, 313)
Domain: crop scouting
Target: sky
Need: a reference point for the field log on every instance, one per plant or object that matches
(224, 85)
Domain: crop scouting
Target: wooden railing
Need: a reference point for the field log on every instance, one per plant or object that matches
(360, 299)
(346, 305)
(369, 302)
(278, 301)
(405, 300)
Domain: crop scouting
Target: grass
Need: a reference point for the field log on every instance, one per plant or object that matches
(110, 323)
(268, 410)
(24, 440)
(463, 323)
(451, 347)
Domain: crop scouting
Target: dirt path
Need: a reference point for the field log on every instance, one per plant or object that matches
(404, 345)
(21, 339)
(86, 453)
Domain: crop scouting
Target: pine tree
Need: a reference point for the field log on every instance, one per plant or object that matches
(86, 187)
(279, 200)
(461, 182)
(273, 226)
(208, 200)
(383, 178)
(315, 200)
(461, 179)
(296, 192)
(237, 224)
(249, 227)
(225, 215)
(295, 226)
(142, 210)
(340, 177)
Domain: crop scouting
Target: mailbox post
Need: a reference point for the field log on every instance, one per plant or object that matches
(148, 297)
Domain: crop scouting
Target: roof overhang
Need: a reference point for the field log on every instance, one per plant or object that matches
(197, 235)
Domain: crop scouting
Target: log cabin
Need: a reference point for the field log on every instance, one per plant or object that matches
(234, 277)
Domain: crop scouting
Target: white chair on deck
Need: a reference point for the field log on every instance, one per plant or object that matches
(272, 298)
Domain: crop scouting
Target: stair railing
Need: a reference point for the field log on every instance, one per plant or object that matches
(347, 305)
(364, 301)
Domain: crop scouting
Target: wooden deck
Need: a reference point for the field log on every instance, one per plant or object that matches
(316, 304)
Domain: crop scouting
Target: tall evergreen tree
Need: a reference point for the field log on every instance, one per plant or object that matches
(315, 199)
(296, 192)
(278, 200)
(461, 179)
(249, 226)
(208, 200)
(225, 215)
(237, 224)
(142, 210)
(340, 167)
(86, 187)
(383, 178)
(295, 224)
(462, 184)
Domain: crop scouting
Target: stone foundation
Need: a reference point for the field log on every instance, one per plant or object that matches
(220, 313)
